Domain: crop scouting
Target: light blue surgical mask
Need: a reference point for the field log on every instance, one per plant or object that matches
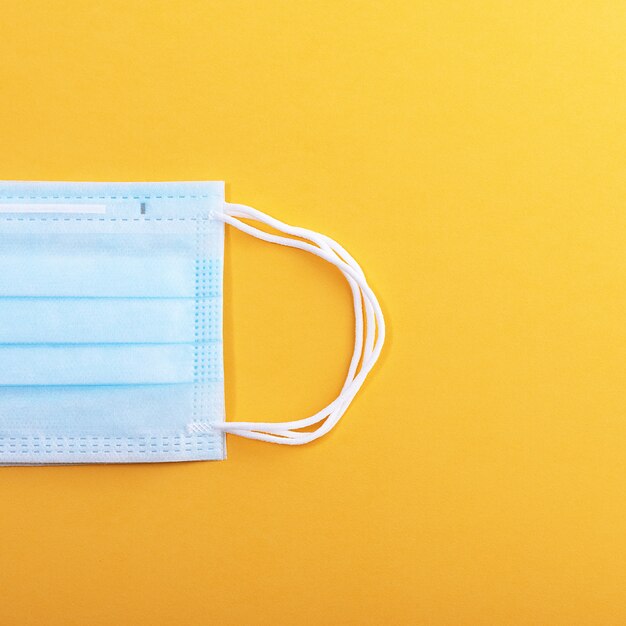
(111, 323)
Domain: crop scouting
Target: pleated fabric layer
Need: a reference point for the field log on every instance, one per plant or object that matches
(111, 325)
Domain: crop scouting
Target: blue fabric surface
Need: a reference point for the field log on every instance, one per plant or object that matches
(111, 323)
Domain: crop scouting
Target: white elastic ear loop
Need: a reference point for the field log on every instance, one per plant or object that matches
(365, 352)
(334, 411)
(347, 396)
(325, 243)
(280, 433)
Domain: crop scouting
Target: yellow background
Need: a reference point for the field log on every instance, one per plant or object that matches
(471, 155)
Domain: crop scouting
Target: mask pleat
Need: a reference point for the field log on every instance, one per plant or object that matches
(117, 308)
(93, 276)
(105, 364)
(104, 410)
(101, 320)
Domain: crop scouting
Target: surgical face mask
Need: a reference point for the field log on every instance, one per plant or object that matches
(111, 323)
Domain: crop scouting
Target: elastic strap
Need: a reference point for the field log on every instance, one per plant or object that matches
(369, 333)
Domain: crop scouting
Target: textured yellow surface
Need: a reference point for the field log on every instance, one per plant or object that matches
(471, 155)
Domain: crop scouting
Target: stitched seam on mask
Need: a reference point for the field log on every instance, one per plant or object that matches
(200, 350)
(195, 329)
(204, 349)
(75, 197)
(107, 445)
(106, 219)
